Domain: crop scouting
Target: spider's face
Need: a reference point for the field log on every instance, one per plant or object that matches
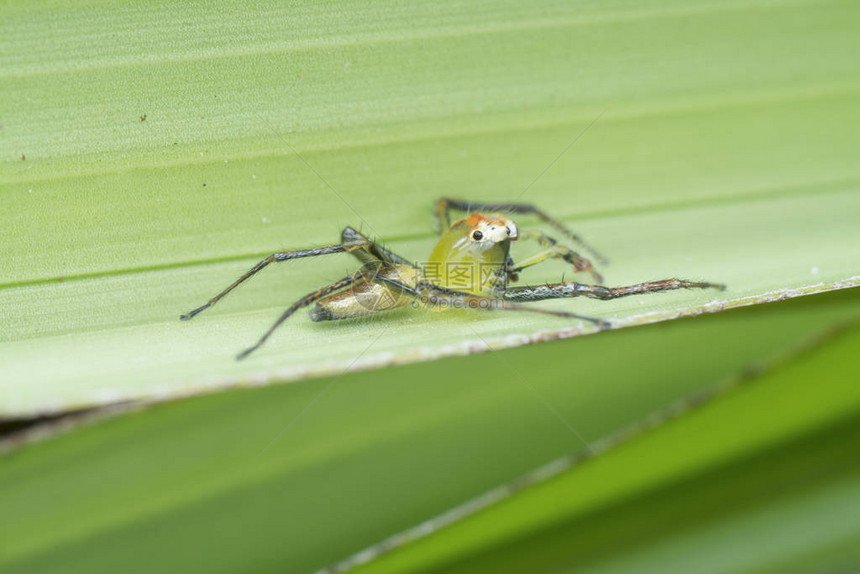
(481, 236)
(485, 231)
(484, 238)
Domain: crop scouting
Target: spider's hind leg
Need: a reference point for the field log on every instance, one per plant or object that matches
(303, 302)
(367, 251)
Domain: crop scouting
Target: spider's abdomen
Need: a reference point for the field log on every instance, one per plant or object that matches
(366, 297)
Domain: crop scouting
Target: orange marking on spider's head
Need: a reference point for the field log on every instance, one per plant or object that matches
(493, 226)
(475, 218)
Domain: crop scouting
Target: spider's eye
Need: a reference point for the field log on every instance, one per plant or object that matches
(477, 236)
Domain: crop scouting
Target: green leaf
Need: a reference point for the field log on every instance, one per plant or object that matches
(291, 478)
(758, 481)
(150, 154)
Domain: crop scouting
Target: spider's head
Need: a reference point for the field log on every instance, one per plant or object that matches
(471, 252)
(487, 230)
(482, 237)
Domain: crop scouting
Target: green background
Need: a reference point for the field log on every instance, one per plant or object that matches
(151, 153)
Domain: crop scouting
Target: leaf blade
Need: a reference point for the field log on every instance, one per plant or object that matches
(162, 476)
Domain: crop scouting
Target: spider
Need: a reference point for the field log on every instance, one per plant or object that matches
(470, 268)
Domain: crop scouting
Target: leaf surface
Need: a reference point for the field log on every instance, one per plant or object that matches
(151, 154)
(292, 478)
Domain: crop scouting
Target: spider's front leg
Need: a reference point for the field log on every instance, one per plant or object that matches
(552, 249)
(574, 289)
(442, 298)
(446, 204)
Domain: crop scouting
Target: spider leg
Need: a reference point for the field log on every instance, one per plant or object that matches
(441, 297)
(444, 205)
(553, 249)
(303, 302)
(372, 251)
(346, 247)
(573, 289)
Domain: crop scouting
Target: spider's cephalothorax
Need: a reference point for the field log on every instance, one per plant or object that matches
(470, 268)
(471, 254)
